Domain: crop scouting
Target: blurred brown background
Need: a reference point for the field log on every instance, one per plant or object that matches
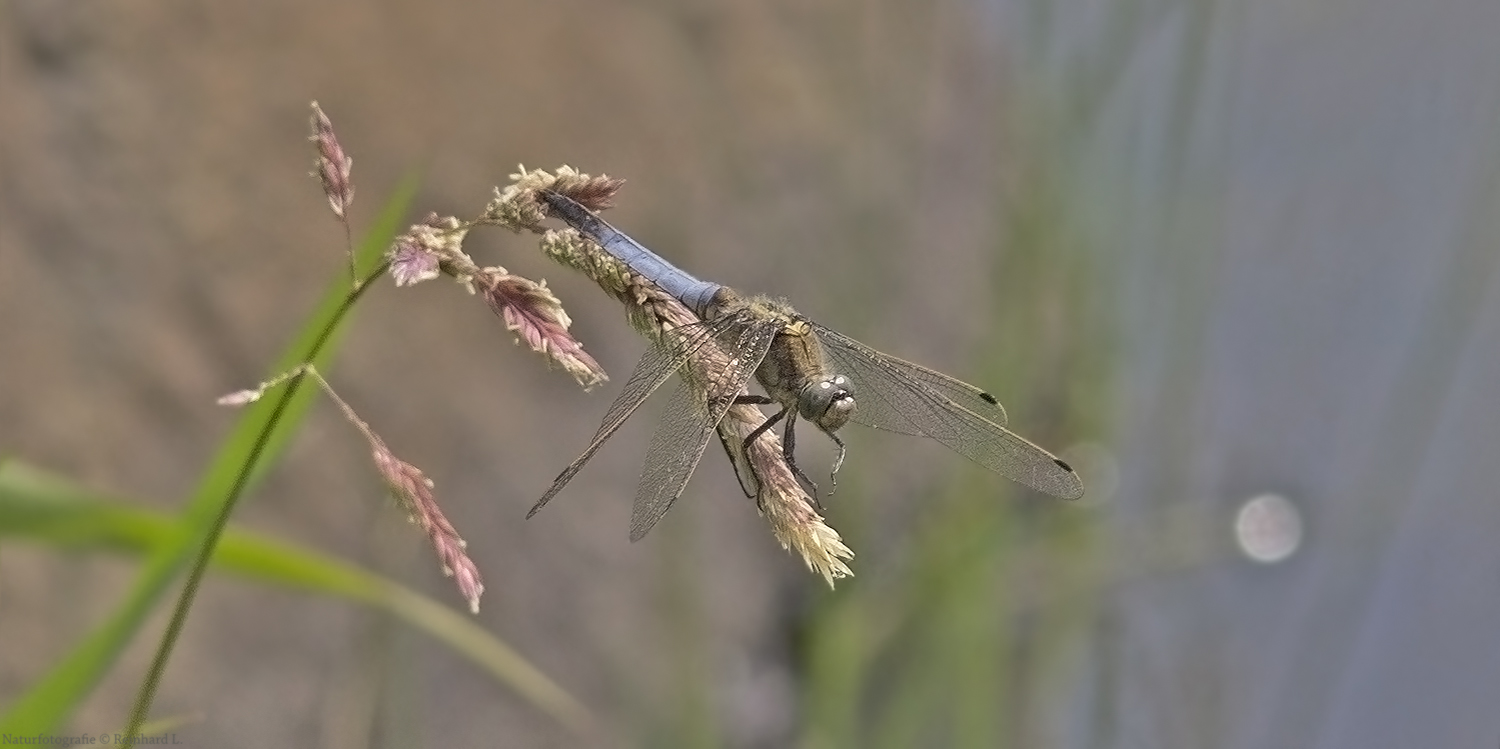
(1232, 249)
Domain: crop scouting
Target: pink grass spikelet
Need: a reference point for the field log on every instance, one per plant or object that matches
(429, 249)
(536, 316)
(517, 208)
(411, 264)
(593, 193)
(333, 165)
(413, 490)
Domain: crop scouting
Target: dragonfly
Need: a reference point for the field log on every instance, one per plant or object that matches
(811, 371)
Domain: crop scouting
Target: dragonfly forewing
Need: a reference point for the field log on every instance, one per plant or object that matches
(708, 389)
(894, 373)
(896, 395)
(662, 358)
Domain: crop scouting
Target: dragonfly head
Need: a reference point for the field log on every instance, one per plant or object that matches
(828, 402)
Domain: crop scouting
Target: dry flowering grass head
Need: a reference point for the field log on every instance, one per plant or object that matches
(794, 519)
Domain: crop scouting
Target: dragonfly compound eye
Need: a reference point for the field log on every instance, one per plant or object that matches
(828, 402)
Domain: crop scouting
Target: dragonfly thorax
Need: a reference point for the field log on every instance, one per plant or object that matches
(827, 402)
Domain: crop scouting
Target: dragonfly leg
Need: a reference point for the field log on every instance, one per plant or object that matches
(837, 463)
(789, 447)
(745, 468)
(767, 424)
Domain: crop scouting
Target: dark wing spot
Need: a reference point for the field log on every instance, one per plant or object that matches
(990, 399)
(1063, 465)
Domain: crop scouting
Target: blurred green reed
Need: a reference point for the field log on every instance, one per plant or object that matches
(964, 633)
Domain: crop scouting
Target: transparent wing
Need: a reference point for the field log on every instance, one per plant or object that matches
(957, 391)
(692, 418)
(896, 395)
(655, 366)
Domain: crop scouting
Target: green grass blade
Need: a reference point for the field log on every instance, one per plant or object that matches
(257, 438)
(40, 508)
